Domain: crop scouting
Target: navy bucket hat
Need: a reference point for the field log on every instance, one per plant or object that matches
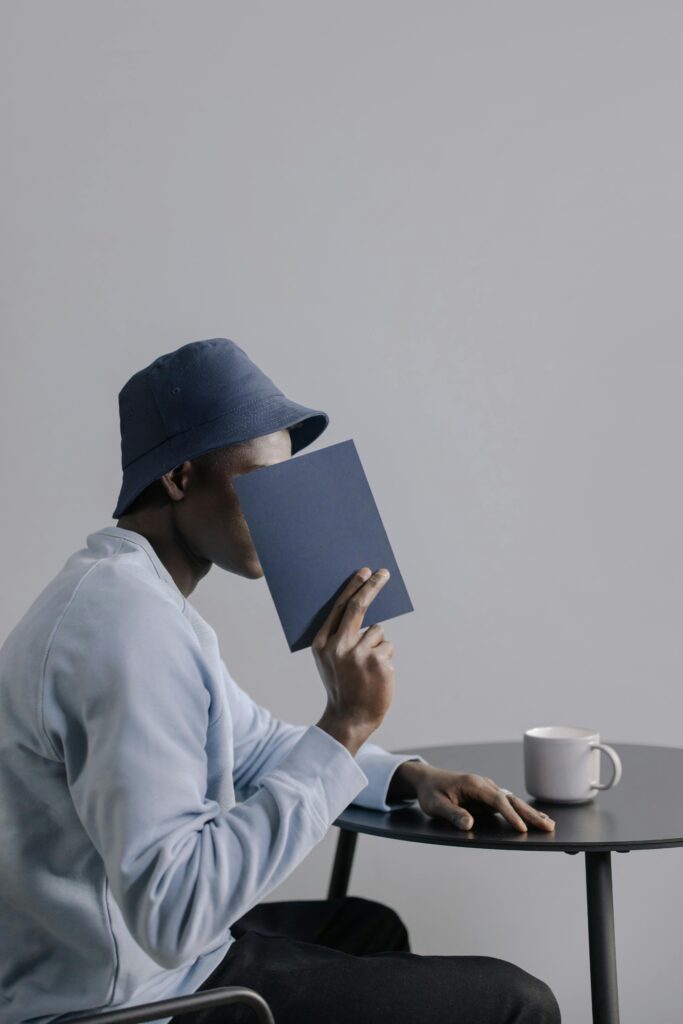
(203, 396)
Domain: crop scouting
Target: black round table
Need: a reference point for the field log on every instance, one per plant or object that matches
(645, 811)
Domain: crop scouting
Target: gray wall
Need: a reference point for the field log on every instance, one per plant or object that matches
(457, 227)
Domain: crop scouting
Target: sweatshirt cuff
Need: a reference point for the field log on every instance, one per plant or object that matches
(324, 771)
(379, 766)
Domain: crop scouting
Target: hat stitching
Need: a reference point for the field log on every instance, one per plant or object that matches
(181, 434)
(254, 406)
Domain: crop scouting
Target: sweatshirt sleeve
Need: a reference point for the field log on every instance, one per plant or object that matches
(126, 708)
(262, 740)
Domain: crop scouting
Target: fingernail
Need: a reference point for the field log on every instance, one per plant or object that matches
(383, 572)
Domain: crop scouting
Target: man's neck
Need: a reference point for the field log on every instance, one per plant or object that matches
(185, 568)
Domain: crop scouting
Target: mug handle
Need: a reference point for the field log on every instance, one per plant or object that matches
(616, 765)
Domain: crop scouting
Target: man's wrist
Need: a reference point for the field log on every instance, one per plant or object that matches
(404, 781)
(350, 737)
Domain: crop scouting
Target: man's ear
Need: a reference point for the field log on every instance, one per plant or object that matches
(177, 481)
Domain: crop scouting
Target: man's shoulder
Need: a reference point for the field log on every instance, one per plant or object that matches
(88, 591)
(118, 593)
(125, 575)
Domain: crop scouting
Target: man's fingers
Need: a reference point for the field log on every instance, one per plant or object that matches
(483, 794)
(334, 618)
(372, 637)
(486, 792)
(357, 605)
(502, 804)
(530, 814)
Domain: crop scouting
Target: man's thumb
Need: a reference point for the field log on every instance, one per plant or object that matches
(462, 818)
(447, 808)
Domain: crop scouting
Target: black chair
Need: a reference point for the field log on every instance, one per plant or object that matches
(185, 1004)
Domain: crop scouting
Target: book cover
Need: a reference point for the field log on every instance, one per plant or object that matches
(314, 522)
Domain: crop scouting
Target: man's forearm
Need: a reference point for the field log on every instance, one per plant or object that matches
(403, 785)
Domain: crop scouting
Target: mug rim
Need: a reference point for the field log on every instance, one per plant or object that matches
(543, 732)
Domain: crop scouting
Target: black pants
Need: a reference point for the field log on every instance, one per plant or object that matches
(348, 961)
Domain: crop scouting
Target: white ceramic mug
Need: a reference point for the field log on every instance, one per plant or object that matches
(562, 763)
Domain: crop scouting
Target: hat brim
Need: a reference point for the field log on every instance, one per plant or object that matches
(265, 417)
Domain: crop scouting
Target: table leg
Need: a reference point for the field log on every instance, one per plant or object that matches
(343, 862)
(603, 957)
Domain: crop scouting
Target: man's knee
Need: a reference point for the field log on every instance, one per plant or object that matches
(543, 1008)
(532, 1000)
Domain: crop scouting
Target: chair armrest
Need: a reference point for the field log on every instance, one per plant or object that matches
(184, 1004)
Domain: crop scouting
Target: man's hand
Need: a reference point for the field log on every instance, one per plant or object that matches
(457, 796)
(355, 667)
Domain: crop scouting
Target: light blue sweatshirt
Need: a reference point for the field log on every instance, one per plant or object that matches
(146, 801)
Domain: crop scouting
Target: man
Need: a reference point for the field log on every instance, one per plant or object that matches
(149, 805)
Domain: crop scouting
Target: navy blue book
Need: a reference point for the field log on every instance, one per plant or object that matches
(314, 522)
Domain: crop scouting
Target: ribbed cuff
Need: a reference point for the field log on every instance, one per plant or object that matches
(379, 766)
(324, 771)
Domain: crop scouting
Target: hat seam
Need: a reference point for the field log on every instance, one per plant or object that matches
(158, 407)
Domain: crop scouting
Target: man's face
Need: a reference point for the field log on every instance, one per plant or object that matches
(209, 518)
